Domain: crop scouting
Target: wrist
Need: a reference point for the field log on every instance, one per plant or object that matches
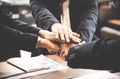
(44, 43)
(38, 42)
(41, 43)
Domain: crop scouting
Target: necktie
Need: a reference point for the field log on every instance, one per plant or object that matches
(65, 18)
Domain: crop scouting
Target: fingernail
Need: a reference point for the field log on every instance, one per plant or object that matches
(70, 35)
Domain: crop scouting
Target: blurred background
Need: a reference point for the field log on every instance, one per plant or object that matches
(109, 14)
(17, 9)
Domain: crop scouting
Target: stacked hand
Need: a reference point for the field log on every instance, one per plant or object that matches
(64, 34)
(59, 40)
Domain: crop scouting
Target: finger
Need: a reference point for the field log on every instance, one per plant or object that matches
(55, 31)
(83, 42)
(62, 49)
(61, 34)
(63, 55)
(75, 40)
(67, 36)
(75, 34)
(64, 52)
(56, 35)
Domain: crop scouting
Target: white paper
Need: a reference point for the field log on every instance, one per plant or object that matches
(100, 75)
(41, 59)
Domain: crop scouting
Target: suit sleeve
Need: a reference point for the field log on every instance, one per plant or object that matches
(17, 24)
(100, 54)
(24, 27)
(88, 20)
(18, 39)
(43, 17)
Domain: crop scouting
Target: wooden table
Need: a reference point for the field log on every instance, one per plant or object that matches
(62, 74)
(6, 70)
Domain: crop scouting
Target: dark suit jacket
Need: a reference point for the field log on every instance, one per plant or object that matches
(100, 54)
(16, 35)
(83, 14)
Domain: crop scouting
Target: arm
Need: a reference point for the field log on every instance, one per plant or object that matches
(25, 41)
(17, 24)
(100, 54)
(88, 20)
(17, 38)
(22, 36)
(46, 20)
(43, 17)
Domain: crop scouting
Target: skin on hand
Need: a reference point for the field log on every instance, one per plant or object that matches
(44, 43)
(63, 33)
(64, 49)
(48, 35)
(73, 37)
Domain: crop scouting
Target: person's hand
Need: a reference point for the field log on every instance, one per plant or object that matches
(74, 37)
(48, 35)
(64, 50)
(44, 43)
(63, 33)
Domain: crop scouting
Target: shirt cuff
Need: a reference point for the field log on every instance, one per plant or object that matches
(38, 42)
